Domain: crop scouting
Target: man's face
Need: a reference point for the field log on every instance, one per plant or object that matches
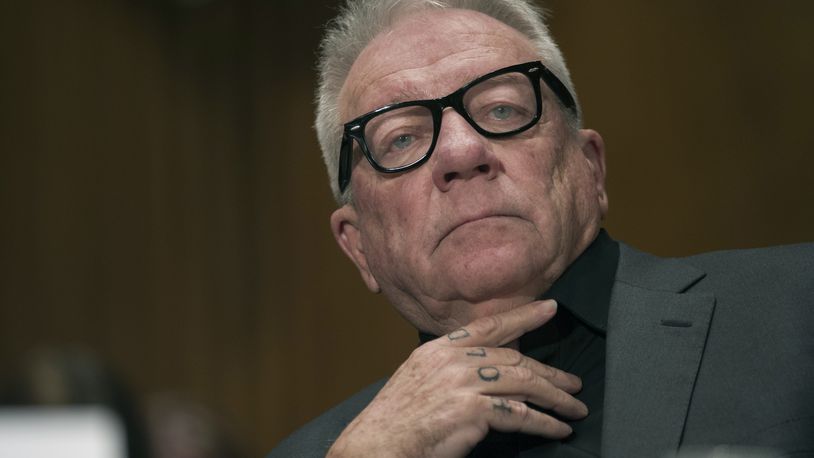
(486, 224)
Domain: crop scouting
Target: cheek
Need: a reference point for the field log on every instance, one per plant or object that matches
(556, 174)
(397, 203)
(542, 167)
(391, 215)
(576, 190)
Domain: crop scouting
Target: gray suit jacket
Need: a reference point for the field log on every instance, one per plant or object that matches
(711, 349)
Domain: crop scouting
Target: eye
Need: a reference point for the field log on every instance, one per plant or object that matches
(502, 112)
(403, 141)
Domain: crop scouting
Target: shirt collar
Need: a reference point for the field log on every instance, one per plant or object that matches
(585, 286)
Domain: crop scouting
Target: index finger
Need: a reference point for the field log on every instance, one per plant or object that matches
(502, 328)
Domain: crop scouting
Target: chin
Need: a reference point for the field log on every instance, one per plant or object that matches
(496, 272)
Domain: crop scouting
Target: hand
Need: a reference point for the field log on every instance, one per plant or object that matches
(444, 399)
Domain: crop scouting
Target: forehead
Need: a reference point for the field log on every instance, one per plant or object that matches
(427, 55)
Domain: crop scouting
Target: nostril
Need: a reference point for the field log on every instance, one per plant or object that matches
(450, 176)
(483, 168)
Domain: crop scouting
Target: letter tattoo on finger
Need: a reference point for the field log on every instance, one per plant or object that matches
(458, 334)
(480, 352)
(501, 405)
(488, 373)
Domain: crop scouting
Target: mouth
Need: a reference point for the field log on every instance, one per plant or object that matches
(469, 220)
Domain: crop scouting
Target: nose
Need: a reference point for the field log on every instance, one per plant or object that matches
(461, 154)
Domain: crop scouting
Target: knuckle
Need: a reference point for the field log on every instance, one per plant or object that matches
(431, 352)
(521, 374)
(515, 358)
(526, 375)
(549, 372)
(470, 404)
(430, 359)
(511, 357)
(523, 410)
(423, 351)
(488, 325)
(457, 376)
(443, 355)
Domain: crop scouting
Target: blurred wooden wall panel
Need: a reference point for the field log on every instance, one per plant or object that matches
(163, 200)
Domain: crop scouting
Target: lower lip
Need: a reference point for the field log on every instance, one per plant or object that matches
(451, 233)
(485, 218)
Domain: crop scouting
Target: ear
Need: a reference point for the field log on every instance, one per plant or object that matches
(593, 148)
(345, 227)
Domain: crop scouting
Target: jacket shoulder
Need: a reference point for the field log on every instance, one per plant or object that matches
(773, 266)
(798, 256)
(779, 268)
(316, 437)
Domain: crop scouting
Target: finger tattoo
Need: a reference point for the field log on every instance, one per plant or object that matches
(480, 351)
(488, 373)
(501, 405)
(457, 334)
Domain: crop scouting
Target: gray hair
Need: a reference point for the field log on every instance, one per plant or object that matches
(362, 20)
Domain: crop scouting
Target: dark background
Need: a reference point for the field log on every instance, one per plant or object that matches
(163, 202)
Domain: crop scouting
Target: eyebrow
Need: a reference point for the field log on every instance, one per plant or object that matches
(404, 96)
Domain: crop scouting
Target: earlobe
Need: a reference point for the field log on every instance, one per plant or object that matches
(593, 148)
(345, 227)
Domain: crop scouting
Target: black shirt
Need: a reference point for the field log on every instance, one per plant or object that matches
(574, 341)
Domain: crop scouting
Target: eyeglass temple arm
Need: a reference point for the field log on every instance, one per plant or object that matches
(560, 90)
(345, 162)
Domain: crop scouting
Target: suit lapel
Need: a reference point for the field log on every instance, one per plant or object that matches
(656, 337)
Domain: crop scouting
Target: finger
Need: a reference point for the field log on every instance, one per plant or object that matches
(483, 356)
(502, 328)
(521, 382)
(565, 381)
(513, 416)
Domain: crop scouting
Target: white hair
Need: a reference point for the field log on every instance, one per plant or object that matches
(361, 20)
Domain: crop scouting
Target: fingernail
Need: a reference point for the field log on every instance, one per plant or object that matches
(578, 382)
(549, 305)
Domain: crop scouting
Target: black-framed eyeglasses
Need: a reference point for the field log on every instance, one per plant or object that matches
(402, 136)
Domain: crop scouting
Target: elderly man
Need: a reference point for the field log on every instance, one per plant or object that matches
(473, 200)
